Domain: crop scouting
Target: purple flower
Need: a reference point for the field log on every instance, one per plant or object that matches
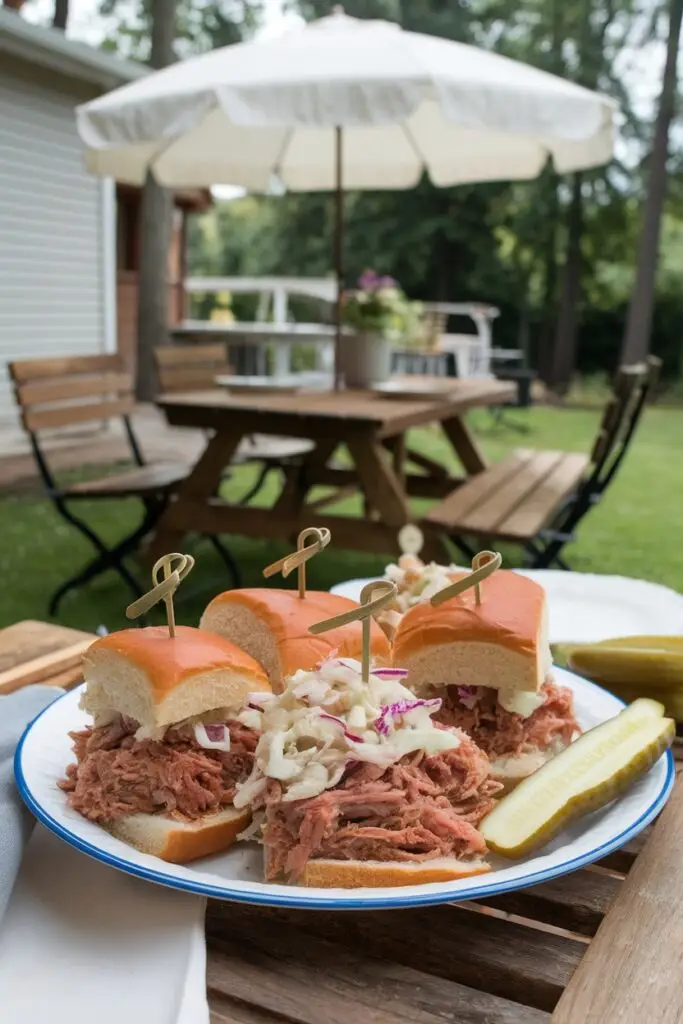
(368, 280)
(386, 282)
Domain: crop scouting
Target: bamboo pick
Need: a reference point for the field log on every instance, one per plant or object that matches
(164, 589)
(369, 604)
(484, 564)
(297, 560)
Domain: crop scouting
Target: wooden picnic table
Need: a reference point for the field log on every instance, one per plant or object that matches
(372, 429)
(599, 946)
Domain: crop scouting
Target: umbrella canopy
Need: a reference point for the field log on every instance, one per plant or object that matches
(406, 102)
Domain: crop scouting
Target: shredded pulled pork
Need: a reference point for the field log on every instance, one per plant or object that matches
(502, 733)
(418, 809)
(115, 774)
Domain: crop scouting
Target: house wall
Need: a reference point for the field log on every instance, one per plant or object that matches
(52, 266)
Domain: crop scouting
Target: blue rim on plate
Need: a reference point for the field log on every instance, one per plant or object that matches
(394, 899)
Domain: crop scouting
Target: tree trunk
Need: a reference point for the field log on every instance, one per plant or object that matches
(61, 14)
(639, 323)
(156, 210)
(549, 298)
(564, 355)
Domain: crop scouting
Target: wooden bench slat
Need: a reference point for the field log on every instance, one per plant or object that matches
(23, 370)
(576, 902)
(271, 969)
(536, 511)
(185, 355)
(66, 416)
(190, 378)
(44, 391)
(478, 488)
(502, 958)
(631, 971)
(487, 516)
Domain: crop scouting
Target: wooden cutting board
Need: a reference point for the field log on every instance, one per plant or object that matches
(40, 652)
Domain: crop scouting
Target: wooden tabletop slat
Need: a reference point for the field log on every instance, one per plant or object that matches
(631, 972)
(576, 902)
(38, 652)
(271, 968)
(505, 959)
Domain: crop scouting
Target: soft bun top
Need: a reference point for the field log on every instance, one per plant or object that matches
(511, 609)
(287, 618)
(158, 679)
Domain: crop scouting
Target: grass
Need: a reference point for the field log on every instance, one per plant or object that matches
(634, 532)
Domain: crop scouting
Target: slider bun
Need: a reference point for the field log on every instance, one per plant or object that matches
(272, 626)
(180, 841)
(158, 680)
(353, 874)
(502, 642)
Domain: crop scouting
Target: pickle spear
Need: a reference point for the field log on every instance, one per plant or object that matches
(590, 773)
(636, 661)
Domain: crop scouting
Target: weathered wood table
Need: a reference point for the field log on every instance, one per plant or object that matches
(372, 429)
(600, 946)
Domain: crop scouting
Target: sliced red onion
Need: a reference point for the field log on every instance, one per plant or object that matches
(340, 722)
(468, 696)
(390, 673)
(212, 737)
(383, 722)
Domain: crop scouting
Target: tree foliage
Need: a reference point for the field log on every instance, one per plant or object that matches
(557, 255)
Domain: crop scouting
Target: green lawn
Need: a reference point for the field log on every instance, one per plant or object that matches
(635, 531)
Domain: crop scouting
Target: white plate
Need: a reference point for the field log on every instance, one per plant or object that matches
(585, 607)
(257, 385)
(45, 751)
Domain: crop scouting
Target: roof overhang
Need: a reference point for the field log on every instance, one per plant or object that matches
(50, 48)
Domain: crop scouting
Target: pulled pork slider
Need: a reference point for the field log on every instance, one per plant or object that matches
(272, 625)
(354, 785)
(160, 764)
(490, 663)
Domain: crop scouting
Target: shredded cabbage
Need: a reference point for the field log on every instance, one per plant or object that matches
(326, 720)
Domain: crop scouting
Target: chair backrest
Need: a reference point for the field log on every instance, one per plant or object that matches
(632, 387)
(70, 390)
(190, 367)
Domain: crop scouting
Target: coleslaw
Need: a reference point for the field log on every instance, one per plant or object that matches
(327, 720)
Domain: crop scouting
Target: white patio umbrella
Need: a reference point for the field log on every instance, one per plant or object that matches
(345, 103)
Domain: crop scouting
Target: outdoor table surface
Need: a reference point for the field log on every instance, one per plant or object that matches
(599, 946)
(366, 424)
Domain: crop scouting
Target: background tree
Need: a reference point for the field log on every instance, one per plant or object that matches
(155, 227)
(60, 17)
(639, 324)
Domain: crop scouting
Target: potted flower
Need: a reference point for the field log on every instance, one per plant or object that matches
(379, 315)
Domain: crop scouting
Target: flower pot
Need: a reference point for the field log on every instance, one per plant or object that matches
(365, 359)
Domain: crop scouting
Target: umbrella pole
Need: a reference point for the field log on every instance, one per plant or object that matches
(338, 252)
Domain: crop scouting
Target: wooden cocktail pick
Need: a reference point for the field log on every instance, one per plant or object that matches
(165, 588)
(297, 560)
(369, 604)
(483, 565)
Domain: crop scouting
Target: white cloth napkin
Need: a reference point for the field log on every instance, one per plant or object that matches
(82, 942)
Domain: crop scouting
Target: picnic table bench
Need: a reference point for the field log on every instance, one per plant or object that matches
(599, 946)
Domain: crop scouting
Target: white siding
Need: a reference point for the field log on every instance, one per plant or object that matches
(51, 244)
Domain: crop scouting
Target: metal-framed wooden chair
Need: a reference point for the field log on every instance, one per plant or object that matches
(539, 498)
(195, 368)
(73, 391)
